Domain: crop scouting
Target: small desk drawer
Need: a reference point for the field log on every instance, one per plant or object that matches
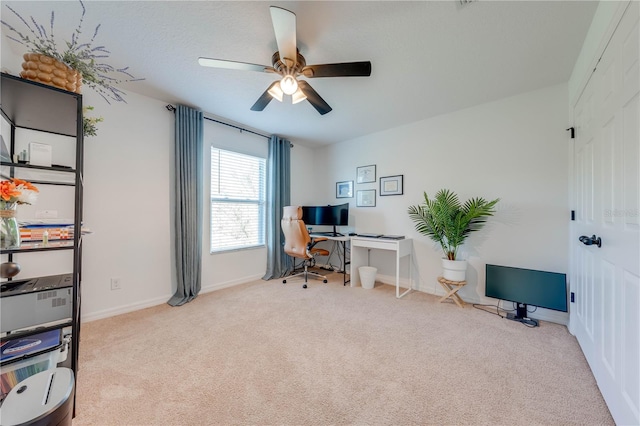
(375, 243)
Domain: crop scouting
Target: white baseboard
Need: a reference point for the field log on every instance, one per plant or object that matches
(540, 314)
(124, 309)
(391, 280)
(227, 284)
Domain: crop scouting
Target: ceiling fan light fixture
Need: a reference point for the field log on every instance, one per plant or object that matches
(298, 96)
(289, 85)
(276, 92)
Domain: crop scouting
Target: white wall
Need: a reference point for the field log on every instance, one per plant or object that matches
(307, 170)
(126, 203)
(514, 149)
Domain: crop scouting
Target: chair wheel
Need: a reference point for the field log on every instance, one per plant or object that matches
(304, 286)
(324, 281)
(284, 281)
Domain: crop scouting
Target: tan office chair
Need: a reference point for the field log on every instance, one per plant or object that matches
(298, 244)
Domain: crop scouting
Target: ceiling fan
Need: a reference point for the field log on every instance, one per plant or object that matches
(290, 64)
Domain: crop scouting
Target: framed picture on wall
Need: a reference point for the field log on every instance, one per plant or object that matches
(366, 198)
(391, 185)
(366, 174)
(344, 189)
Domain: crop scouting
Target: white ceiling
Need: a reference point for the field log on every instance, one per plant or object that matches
(428, 57)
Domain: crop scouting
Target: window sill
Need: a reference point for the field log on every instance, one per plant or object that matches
(231, 250)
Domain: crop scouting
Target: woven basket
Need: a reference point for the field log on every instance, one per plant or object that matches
(47, 70)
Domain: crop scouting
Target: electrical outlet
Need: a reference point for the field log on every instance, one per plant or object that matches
(116, 284)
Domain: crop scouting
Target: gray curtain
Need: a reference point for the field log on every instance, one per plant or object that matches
(188, 204)
(278, 196)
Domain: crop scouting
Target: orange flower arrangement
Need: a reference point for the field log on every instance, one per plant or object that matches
(17, 191)
(13, 192)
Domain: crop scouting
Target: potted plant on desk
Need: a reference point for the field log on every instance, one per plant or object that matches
(448, 222)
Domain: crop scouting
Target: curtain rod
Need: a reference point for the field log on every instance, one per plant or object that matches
(173, 109)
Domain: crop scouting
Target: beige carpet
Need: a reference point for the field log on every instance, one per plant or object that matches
(265, 353)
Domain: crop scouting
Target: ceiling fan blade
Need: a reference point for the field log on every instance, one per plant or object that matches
(233, 65)
(314, 99)
(346, 69)
(284, 27)
(264, 99)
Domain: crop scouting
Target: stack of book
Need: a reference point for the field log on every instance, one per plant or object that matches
(35, 230)
(37, 234)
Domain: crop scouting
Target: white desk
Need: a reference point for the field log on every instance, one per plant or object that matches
(360, 247)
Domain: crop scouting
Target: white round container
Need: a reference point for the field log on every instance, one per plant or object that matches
(367, 276)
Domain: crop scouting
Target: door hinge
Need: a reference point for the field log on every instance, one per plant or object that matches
(573, 215)
(573, 297)
(573, 132)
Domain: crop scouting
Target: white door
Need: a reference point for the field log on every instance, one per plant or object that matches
(606, 280)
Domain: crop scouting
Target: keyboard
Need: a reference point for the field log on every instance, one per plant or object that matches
(388, 237)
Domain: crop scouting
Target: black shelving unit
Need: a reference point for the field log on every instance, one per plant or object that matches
(34, 106)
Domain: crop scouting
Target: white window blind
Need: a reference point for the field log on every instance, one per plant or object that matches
(237, 200)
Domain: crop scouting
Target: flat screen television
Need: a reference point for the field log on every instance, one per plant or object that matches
(326, 215)
(526, 287)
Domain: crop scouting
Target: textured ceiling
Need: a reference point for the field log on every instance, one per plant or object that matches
(428, 57)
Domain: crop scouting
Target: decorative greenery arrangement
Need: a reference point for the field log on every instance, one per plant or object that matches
(84, 57)
(448, 222)
(89, 123)
(17, 191)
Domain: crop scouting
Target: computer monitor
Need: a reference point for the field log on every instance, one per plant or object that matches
(526, 287)
(326, 215)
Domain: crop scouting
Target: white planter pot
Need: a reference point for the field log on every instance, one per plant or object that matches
(454, 270)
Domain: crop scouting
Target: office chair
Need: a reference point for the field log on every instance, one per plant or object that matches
(298, 244)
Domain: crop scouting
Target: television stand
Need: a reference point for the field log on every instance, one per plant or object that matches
(521, 316)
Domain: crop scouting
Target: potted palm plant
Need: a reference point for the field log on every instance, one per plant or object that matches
(448, 222)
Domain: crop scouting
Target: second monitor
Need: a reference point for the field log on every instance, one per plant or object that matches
(326, 216)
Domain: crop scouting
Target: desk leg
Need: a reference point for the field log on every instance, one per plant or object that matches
(398, 295)
(358, 259)
(344, 264)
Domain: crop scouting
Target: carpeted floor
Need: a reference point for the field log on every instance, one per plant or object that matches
(265, 353)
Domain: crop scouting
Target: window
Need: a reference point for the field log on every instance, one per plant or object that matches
(237, 200)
